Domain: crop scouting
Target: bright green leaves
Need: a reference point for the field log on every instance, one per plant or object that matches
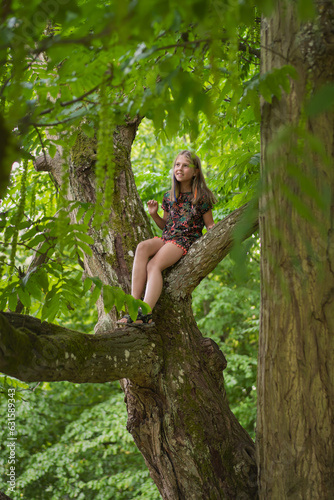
(239, 159)
(7, 382)
(156, 64)
(41, 276)
(76, 241)
(114, 296)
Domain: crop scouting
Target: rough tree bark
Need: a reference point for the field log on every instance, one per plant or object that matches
(172, 377)
(295, 428)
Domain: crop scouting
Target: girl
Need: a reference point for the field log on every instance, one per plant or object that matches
(187, 207)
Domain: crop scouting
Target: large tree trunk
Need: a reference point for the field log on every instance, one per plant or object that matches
(295, 428)
(178, 413)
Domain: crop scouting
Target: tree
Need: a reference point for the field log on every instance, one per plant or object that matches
(172, 377)
(295, 377)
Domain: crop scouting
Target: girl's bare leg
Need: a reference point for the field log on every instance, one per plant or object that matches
(144, 251)
(168, 255)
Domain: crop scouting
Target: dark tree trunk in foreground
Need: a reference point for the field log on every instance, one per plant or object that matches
(172, 377)
(295, 429)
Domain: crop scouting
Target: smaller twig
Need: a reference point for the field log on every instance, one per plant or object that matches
(30, 248)
(42, 144)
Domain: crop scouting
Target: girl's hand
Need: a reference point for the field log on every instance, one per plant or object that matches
(152, 207)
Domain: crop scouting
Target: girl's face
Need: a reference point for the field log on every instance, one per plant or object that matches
(184, 171)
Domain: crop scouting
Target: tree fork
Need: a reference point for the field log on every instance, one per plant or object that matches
(193, 445)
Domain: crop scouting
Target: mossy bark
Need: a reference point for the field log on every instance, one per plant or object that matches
(192, 443)
(295, 427)
(127, 223)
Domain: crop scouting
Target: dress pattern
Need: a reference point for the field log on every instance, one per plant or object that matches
(185, 221)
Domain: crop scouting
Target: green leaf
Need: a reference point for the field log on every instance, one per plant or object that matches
(96, 281)
(306, 9)
(24, 225)
(132, 305)
(24, 297)
(265, 91)
(50, 308)
(3, 302)
(9, 231)
(88, 216)
(84, 248)
(84, 237)
(42, 279)
(52, 149)
(119, 298)
(87, 285)
(321, 101)
(145, 307)
(12, 301)
(89, 130)
(37, 240)
(33, 288)
(109, 297)
(95, 294)
(80, 213)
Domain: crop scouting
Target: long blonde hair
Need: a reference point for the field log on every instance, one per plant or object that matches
(198, 184)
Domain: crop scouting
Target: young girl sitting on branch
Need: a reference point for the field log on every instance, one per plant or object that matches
(187, 208)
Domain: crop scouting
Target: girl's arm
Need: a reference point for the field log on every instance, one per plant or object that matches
(208, 219)
(153, 211)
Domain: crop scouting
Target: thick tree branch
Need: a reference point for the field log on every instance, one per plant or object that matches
(33, 351)
(206, 253)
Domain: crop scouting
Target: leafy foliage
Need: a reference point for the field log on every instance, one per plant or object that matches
(192, 69)
(73, 443)
(53, 287)
(170, 73)
(86, 66)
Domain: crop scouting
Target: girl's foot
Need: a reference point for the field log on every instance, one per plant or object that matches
(142, 320)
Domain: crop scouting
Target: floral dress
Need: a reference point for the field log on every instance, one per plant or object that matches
(185, 221)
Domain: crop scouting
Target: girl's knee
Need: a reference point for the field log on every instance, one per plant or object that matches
(142, 247)
(146, 248)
